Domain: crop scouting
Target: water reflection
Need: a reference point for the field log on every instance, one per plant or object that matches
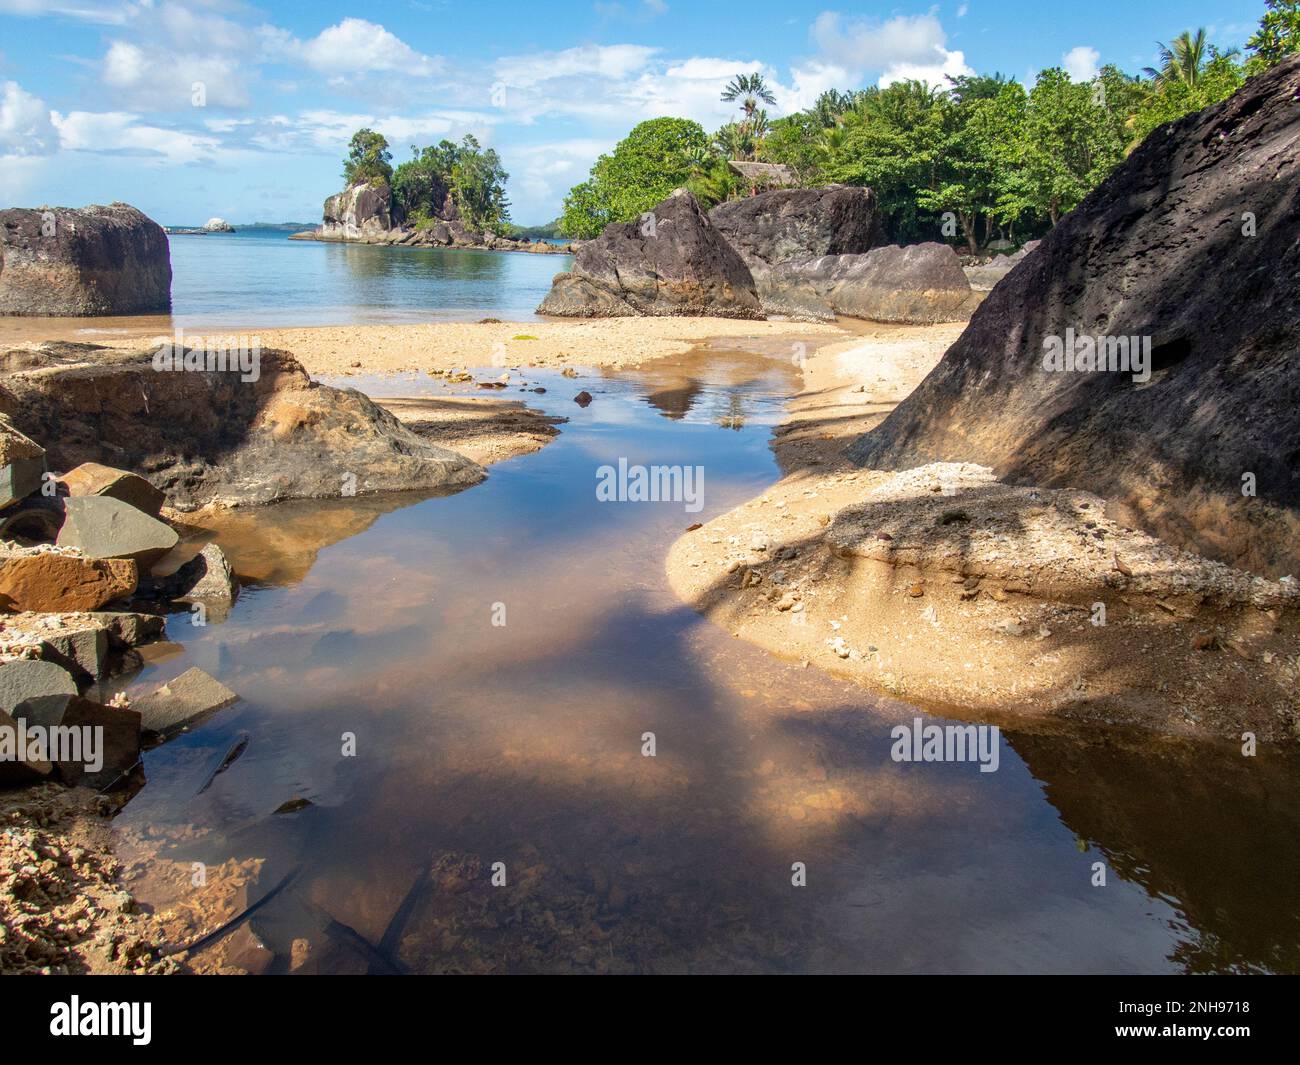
(522, 744)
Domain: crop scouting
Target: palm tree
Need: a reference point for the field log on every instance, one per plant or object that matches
(1185, 59)
(750, 89)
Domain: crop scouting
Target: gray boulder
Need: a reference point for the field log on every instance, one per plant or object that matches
(27, 678)
(670, 262)
(83, 261)
(984, 276)
(794, 225)
(104, 527)
(915, 284)
(208, 576)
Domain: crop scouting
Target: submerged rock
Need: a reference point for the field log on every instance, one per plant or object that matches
(83, 261)
(1188, 251)
(182, 702)
(672, 261)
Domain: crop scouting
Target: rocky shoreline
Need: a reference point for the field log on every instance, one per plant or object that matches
(974, 599)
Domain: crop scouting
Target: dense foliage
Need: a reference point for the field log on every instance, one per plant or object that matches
(980, 158)
(471, 175)
(657, 157)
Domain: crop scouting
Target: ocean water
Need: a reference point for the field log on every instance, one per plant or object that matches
(259, 277)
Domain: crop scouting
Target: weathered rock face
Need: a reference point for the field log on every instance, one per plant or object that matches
(919, 284)
(795, 225)
(116, 729)
(202, 435)
(358, 212)
(1157, 251)
(83, 261)
(673, 262)
(24, 679)
(38, 579)
(22, 463)
(984, 276)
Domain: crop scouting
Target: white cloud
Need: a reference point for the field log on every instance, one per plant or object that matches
(356, 46)
(138, 81)
(961, 11)
(1082, 63)
(122, 133)
(614, 62)
(25, 127)
(104, 13)
(905, 46)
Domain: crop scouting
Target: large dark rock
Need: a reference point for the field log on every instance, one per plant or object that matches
(1158, 250)
(918, 284)
(670, 262)
(202, 435)
(360, 212)
(795, 225)
(83, 261)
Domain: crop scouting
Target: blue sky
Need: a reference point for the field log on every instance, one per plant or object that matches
(97, 99)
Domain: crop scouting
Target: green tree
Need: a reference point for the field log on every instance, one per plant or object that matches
(657, 157)
(1278, 35)
(368, 158)
(1218, 79)
(1186, 60)
(477, 182)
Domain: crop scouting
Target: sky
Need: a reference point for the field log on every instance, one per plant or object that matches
(200, 108)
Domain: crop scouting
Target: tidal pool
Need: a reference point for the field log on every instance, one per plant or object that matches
(488, 752)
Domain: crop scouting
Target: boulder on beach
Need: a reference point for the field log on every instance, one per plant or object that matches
(795, 225)
(218, 434)
(1186, 260)
(916, 284)
(208, 576)
(984, 276)
(95, 260)
(670, 262)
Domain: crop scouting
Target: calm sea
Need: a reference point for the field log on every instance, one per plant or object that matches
(259, 277)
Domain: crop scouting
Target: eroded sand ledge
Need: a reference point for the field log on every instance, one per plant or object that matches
(945, 588)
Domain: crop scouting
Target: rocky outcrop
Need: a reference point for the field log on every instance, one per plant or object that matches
(786, 226)
(217, 225)
(670, 262)
(94, 260)
(918, 284)
(1190, 247)
(203, 435)
(359, 212)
